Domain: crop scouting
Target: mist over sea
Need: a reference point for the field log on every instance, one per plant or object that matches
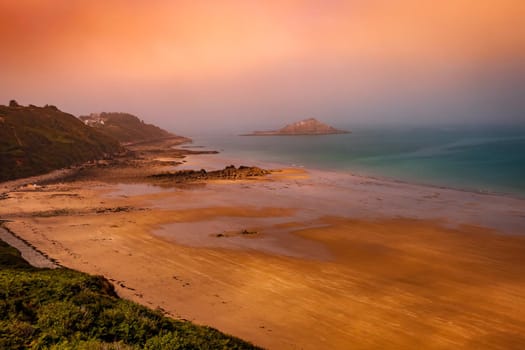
(485, 158)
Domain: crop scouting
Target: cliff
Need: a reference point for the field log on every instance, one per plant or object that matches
(304, 127)
(126, 128)
(35, 140)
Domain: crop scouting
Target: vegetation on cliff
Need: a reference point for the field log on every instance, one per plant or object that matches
(125, 127)
(35, 140)
(65, 309)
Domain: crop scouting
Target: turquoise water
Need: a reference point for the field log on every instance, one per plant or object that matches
(488, 159)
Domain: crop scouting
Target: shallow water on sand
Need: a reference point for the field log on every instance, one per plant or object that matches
(482, 159)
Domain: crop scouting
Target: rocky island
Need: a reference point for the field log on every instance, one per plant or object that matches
(309, 126)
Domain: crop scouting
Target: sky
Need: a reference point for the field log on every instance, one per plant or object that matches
(244, 64)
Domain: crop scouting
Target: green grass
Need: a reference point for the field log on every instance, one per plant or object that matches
(66, 309)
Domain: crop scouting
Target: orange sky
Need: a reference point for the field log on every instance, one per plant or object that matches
(72, 52)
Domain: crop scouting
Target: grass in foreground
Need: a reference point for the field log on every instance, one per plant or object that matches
(66, 309)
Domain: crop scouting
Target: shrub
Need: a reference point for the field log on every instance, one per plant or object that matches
(66, 309)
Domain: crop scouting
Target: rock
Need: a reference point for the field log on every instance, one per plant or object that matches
(246, 232)
(228, 173)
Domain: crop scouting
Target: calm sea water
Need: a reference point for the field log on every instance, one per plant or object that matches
(481, 159)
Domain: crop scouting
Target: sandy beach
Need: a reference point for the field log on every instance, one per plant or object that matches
(299, 259)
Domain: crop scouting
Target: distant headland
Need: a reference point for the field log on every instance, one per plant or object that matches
(309, 126)
(126, 128)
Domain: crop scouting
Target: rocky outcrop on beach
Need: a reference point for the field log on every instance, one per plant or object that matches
(228, 173)
(304, 127)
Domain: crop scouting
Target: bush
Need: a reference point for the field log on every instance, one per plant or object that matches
(66, 309)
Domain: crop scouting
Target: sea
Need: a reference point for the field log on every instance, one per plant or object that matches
(489, 159)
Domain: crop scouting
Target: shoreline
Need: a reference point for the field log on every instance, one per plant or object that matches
(387, 179)
(360, 261)
(425, 184)
(490, 189)
(351, 180)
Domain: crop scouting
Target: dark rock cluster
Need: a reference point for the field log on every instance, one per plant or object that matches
(228, 173)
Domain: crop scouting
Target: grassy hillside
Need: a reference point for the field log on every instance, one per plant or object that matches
(35, 140)
(125, 127)
(65, 309)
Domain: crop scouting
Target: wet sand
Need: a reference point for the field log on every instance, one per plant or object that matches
(29, 253)
(330, 260)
